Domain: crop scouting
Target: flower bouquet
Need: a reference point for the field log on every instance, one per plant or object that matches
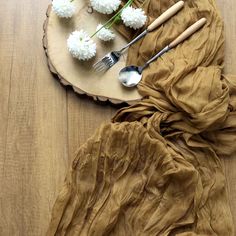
(79, 43)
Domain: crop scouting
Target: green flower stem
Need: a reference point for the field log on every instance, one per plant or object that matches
(116, 19)
(113, 19)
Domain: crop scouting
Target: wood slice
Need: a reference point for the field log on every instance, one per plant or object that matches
(78, 74)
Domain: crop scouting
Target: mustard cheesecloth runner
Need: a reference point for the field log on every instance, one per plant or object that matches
(156, 170)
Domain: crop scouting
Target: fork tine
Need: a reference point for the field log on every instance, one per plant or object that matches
(108, 62)
(101, 60)
(98, 61)
(97, 64)
(102, 66)
(106, 59)
(103, 69)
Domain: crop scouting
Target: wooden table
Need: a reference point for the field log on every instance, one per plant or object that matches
(42, 123)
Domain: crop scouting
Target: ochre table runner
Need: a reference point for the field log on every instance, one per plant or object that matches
(156, 170)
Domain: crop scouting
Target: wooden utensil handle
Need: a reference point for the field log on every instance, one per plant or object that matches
(166, 15)
(188, 32)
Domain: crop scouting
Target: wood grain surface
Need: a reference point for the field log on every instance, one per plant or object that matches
(43, 123)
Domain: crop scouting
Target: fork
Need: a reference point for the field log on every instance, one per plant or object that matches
(113, 57)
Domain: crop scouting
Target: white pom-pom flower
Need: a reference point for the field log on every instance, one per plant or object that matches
(104, 34)
(81, 46)
(63, 8)
(133, 17)
(105, 6)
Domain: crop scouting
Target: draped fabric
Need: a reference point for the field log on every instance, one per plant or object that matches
(156, 168)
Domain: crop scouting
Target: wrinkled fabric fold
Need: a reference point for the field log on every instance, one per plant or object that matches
(156, 168)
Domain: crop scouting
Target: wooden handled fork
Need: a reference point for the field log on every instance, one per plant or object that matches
(113, 57)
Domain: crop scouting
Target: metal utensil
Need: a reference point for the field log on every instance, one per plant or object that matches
(113, 57)
(130, 76)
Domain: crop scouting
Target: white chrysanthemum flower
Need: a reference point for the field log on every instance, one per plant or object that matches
(105, 6)
(81, 46)
(105, 34)
(63, 8)
(133, 18)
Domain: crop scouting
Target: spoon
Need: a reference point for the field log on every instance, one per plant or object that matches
(130, 76)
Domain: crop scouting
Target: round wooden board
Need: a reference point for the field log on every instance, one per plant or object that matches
(80, 75)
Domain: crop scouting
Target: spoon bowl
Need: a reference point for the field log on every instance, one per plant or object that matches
(130, 76)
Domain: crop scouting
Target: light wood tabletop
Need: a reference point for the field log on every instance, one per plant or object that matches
(42, 123)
